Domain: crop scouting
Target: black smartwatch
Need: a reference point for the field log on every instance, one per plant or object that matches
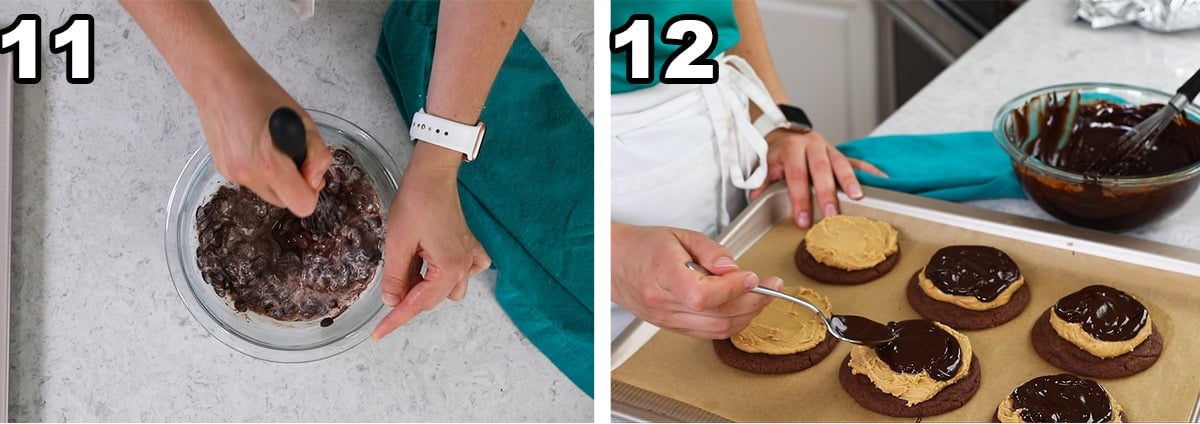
(796, 116)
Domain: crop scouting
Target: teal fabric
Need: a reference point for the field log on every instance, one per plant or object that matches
(720, 12)
(953, 166)
(528, 198)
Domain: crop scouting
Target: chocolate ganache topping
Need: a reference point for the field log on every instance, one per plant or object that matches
(980, 271)
(1062, 398)
(1105, 313)
(1096, 124)
(267, 260)
(921, 346)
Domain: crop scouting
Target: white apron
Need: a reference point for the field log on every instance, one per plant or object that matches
(685, 155)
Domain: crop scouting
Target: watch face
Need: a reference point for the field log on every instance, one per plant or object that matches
(796, 115)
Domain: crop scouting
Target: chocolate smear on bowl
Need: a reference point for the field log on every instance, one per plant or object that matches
(1072, 138)
(1069, 132)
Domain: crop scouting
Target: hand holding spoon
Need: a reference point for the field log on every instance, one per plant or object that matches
(848, 328)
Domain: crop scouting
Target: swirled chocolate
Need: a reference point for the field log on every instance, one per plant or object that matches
(1062, 398)
(1104, 313)
(921, 346)
(266, 260)
(980, 271)
(1073, 138)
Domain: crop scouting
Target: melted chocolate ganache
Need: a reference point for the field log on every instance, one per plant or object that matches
(980, 271)
(1073, 138)
(1062, 398)
(1098, 123)
(267, 260)
(921, 346)
(1105, 313)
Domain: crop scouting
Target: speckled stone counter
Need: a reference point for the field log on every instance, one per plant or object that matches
(98, 331)
(1039, 45)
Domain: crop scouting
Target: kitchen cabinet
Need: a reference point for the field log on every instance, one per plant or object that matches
(825, 52)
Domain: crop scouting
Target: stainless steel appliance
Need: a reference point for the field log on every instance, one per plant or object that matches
(920, 38)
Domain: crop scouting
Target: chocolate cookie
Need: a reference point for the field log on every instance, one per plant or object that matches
(962, 318)
(950, 398)
(809, 266)
(764, 363)
(1064, 354)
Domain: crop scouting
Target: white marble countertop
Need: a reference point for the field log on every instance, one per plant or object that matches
(98, 331)
(1039, 45)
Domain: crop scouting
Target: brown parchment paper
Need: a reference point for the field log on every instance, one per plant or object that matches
(685, 369)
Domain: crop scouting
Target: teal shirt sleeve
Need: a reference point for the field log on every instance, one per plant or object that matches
(720, 12)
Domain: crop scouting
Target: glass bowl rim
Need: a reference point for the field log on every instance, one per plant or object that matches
(1019, 157)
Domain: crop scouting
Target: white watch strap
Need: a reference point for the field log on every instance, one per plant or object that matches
(446, 133)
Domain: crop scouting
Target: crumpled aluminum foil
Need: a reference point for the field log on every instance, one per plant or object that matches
(1156, 15)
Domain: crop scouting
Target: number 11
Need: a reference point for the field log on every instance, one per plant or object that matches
(74, 39)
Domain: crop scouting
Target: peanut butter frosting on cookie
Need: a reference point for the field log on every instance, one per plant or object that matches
(851, 243)
(968, 302)
(1006, 414)
(1075, 334)
(1104, 321)
(783, 327)
(912, 388)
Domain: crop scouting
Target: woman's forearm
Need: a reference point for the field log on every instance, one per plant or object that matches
(194, 41)
(752, 46)
(473, 38)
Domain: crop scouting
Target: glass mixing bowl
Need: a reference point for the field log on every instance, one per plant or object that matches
(1106, 203)
(248, 332)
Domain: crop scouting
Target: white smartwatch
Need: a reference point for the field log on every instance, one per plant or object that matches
(452, 135)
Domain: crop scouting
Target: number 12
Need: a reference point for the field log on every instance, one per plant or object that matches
(695, 35)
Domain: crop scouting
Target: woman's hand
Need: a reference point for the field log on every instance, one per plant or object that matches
(235, 118)
(650, 278)
(235, 97)
(426, 223)
(808, 162)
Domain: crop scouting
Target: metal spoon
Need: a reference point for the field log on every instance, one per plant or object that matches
(847, 328)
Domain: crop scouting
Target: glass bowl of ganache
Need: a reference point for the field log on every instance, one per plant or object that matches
(1054, 134)
(274, 286)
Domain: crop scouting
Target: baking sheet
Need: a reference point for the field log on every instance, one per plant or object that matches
(684, 370)
(6, 132)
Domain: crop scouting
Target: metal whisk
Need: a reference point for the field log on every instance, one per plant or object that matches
(288, 135)
(1135, 143)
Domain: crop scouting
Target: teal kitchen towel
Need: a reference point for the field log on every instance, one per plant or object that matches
(528, 198)
(952, 166)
